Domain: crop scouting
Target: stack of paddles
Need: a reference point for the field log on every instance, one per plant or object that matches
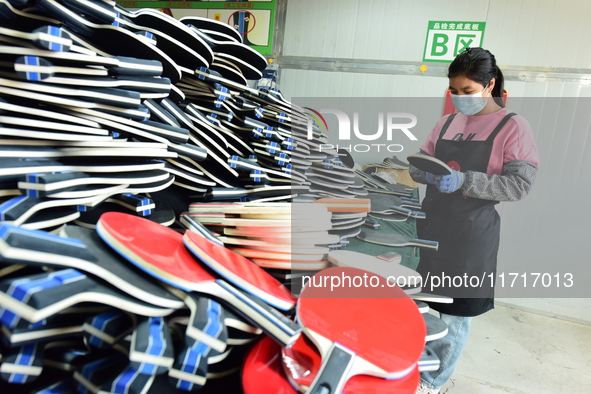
(103, 109)
(132, 306)
(278, 235)
(83, 131)
(140, 91)
(326, 358)
(289, 240)
(135, 306)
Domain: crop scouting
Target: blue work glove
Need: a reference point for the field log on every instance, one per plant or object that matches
(431, 179)
(450, 183)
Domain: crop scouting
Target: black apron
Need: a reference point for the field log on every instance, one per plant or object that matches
(467, 229)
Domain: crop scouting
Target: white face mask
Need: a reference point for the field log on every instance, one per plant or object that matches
(469, 104)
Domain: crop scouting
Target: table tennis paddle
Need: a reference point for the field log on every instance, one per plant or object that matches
(112, 39)
(436, 328)
(99, 372)
(44, 125)
(23, 364)
(104, 330)
(206, 322)
(301, 362)
(37, 297)
(52, 38)
(392, 239)
(62, 326)
(135, 113)
(285, 256)
(248, 70)
(429, 360)
(34, 68)
(50, 219)
(381, 203)
(189, 371)
(38, 185)
(127, 381)
(423, 306)
(163, 22)
(429, 164)
(98, 96)
(151, 351)
(236, 49)
(23, 109)
(135, 238)
(171, 36)
(68, 57)
(397, 215)
(148, 87)
(229, 72)
(207, 24)
(194, 225)
(328, 317)
(19, 209)
(81, 249)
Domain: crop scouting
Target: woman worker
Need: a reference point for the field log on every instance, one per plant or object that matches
(493, 158)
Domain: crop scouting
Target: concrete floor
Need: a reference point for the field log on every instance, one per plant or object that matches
(511, 351)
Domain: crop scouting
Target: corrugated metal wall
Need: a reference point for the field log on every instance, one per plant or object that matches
(538, 35)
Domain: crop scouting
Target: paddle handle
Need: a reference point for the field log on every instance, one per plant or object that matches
(418, 215)
(410, 205)
(400, 210)
(14, 208)
(334, 370)
(371, 224)
(196, 226)
(408, 212)
(105, 329)
(425, 244)
(151, 350)
(428, 361)
(278, 326)
(36, 247)
(135, 66)
(403, 194)
(206, 324)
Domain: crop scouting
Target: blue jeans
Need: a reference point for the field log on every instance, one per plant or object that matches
(448, 349)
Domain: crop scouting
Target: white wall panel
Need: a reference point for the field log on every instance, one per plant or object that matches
(534, 33)
(540, 33)
(309, 83)
(361, 29)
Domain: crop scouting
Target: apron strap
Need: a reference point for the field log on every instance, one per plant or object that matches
(446, 125)
(502, 124)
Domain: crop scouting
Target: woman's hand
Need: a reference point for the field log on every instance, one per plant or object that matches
(450, 183)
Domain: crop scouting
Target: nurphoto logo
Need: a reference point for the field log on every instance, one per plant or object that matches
(392, 124)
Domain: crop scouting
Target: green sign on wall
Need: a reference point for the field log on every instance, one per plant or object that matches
(445, 40)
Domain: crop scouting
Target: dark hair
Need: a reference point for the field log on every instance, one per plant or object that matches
(479, 65)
